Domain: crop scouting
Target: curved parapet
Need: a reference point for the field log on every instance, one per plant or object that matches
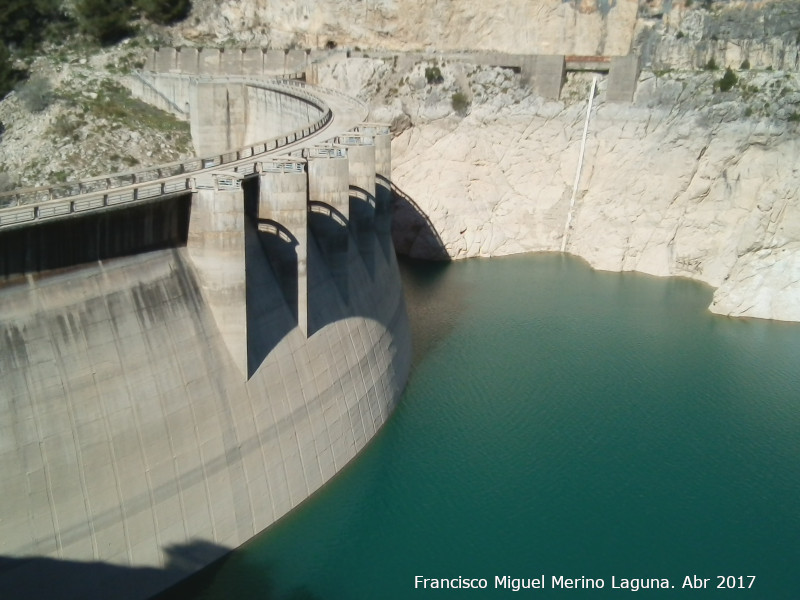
(20, 208)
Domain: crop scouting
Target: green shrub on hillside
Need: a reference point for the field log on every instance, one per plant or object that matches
(108, 21)
(727, 81)
(433, 75)
(9, 76)
(460, 103)
(23, 23)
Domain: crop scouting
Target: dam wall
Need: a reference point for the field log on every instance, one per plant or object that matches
(229, 112)
(270, 113)
(195, 369)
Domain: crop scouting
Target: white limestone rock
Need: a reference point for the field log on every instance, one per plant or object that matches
(681, 183)
(517, 26)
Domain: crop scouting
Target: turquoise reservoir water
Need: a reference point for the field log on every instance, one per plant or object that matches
(559, 422)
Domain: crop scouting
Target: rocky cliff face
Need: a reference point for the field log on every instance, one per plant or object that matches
(765, 34)
(687, 181)
(521, 26)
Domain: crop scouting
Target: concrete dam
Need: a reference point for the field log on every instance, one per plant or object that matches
(188, 352)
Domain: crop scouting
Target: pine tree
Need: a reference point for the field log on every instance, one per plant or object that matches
(8, 75)
(108, 21)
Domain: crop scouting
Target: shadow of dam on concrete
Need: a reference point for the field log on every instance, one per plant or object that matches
(162, 313)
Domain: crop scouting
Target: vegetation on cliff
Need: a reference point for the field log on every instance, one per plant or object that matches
(25, 26)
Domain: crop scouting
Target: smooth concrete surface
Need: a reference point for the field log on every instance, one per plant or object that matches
(161, 405)
(170, 94)
(165, 60)
(159, 408)
(622, 78)
(328, 179)
(252, 62)
(382, 139)
(329, 210)
(271, 114)
(550, 74)
(545, 72)
(216, 248)
(208, 61)
(218, 62)
(230, 61)
(361, 179)
(275, 61)
(188, 60)
(226, 115)
(221, 122)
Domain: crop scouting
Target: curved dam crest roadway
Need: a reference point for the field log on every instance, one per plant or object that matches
(179, 372)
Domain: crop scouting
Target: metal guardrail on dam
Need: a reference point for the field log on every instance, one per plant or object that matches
(27, 206)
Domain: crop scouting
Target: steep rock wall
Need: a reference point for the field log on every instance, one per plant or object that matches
(762, 34)
(519, 26)
(681, 183)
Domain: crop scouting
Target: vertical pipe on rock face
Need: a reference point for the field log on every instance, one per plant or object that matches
(580, 166)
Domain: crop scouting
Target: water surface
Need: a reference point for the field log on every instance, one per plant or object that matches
(559, 422)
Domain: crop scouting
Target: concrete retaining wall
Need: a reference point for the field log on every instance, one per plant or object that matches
(221, 122)
(172, 95)
(271, 114)
(216, 62)
(231, 114)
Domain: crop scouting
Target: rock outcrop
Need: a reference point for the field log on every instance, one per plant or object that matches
(75, 119)
(519, 26)
(688, 181)
(764, 34)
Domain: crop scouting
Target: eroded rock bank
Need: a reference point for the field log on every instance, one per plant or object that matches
(687, 181)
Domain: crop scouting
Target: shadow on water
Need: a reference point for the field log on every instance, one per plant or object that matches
(435, 301)
(41, 578)
(413, 232)
(249, 577)
(190, 570)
